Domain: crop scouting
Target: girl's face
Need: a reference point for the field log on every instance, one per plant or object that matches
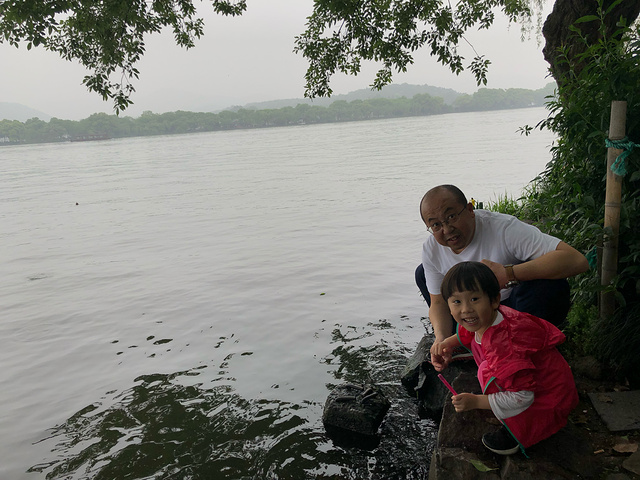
(473, 309)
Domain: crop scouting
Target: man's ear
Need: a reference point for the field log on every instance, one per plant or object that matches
(471, 210)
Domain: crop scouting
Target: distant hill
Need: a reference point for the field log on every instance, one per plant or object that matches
(16, 111)
(22, 113)
(102, 125)
(390, 91)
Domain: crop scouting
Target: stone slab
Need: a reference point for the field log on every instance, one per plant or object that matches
(620, 411)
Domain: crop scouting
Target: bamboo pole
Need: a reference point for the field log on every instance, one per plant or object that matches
(617, 126)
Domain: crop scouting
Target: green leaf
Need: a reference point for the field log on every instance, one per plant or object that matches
(587, 18)
(612, 6)
(481, 466)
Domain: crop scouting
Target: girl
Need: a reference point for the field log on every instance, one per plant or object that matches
(525, 380)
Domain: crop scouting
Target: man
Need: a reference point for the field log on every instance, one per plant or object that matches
(531, 266)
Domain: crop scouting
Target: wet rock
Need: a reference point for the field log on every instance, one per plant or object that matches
(459, 452)
(620, 411)
(567, 454)
(460, 463)
(516, 466)
(617, 476)
(353, 413)
(569, 449)
(411, 378)
(421, 380)
(465, 429)
(632, 464)
(588, 367)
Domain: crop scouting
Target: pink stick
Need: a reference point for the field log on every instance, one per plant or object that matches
(447, 384)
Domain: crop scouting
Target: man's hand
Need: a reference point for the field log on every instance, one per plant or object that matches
(563, 262)
(499, 271)
(440, 356)
(465, 401)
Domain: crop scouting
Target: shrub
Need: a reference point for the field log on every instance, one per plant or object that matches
(567, 200)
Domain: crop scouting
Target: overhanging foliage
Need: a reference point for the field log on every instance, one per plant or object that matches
(107, 37)
(341, 34)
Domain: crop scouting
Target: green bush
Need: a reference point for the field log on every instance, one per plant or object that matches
(617, 341)
(567, 200)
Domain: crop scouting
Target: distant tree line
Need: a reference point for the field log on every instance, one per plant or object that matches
(102, 125)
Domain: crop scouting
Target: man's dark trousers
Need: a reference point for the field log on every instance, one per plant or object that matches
(548, 299)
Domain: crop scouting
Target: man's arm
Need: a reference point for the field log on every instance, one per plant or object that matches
(440, 318)
(565, 261)
(442, 323)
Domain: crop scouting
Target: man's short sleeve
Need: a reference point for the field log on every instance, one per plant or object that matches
(498, 237)
(527, 242)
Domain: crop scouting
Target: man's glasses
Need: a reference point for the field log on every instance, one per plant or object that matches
(450, 220)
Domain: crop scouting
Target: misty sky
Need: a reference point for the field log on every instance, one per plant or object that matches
(246, 59)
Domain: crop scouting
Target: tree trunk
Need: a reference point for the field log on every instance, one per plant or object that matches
(557, 34)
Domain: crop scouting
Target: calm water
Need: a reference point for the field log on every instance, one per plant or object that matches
(180, 307)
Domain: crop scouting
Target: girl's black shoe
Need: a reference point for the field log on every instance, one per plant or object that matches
(500, 442)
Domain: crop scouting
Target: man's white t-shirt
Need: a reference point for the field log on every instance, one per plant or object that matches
(498, 237)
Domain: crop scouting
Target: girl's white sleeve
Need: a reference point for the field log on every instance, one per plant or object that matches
(509, 404)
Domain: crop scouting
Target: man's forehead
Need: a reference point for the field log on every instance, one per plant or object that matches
(439, 202)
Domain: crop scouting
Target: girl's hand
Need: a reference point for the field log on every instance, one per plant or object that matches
(438, 348)
(440, 356)
(464, 402)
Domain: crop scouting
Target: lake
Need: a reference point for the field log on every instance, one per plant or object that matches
(181, 306)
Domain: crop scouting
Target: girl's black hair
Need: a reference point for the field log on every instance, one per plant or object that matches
(467, 276)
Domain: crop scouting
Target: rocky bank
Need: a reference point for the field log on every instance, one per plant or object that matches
(585, 449)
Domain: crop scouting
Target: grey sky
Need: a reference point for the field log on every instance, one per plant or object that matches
(246, 59)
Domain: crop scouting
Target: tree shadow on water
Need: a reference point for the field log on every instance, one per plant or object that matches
(167, 426)
(161, 428)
